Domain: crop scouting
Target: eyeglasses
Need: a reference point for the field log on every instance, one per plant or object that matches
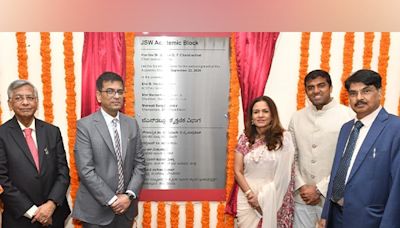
(21, 98)
(112, 92)
(364, 92)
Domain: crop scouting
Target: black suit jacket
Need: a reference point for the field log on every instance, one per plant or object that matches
(23, 185)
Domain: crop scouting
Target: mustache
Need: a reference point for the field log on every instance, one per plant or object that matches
(360, 103)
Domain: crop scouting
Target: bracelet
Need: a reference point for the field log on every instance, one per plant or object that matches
(247, 192)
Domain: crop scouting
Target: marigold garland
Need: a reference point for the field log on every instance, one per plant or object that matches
(383, 61)
(146, 223)
(189, 215)
(326, 41)
(348, 51)
(233, 113)
(70, 100)
(301, 94)
(205, 214)
(45, 52)
(129, 84)
(220, 215)
(367, 56)
(161, 223)
(22, 56)
(174, 218)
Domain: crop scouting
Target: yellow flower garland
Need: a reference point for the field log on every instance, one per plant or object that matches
(348, 51)
(301, 95)
(129, 84)
(326, 41)
(383, 62)
(367, 56)
(45, 52)
(22, 56)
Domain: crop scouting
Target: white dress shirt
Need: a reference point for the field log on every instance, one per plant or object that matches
(367, 121)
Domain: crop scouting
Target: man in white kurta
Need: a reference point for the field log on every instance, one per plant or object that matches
(315, 130)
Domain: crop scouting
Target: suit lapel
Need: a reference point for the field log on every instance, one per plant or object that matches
(376, 128)
(124, 134)
(102, 128)
(20, 140)
(41, 142)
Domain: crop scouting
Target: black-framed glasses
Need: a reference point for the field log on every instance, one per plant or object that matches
(21, 98)
(112, 92)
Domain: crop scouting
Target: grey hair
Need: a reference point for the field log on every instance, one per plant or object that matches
(17, 84)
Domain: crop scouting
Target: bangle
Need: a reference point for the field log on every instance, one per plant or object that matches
(247, 192)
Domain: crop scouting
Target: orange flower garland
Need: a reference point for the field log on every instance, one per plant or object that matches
(161, 215)
(233, 113)
(189, 215)
(383, 62)
(129, 86)
(146, 223)
(348, 51)
(220, 215)
(70, 100)
(368, 41)
(326, 41)
(205, 215)
(174, 218)
(45, 52)
(301, 94)
(22, 56)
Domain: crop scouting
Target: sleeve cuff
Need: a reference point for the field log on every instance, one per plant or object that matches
(31, 212)
(112, 200)
(132, 193)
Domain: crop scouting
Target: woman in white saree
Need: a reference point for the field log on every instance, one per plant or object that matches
(264, 170)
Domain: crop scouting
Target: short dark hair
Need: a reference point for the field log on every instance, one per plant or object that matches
(368, 77)
(315, 74)
(107, 76)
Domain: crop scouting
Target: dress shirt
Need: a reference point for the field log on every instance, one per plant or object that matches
(31, 211)
(108, 118)
(367, 121)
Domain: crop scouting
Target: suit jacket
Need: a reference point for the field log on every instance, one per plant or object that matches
(97, 167)
(23, 185)
(372, 192)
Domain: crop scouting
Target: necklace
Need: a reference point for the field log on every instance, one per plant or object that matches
(258, 153)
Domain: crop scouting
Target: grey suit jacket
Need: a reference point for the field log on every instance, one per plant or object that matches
(96, 163)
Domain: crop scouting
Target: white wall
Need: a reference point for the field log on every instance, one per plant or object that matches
(281, 85)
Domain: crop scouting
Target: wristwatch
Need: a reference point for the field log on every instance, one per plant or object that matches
(130, 196)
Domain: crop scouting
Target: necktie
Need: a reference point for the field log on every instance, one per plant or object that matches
(340, 178)
(32, 146)
(120, 188)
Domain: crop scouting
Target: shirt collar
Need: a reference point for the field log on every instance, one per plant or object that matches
(369, 119)
(108, 117)
(32, 126)
(331, 104)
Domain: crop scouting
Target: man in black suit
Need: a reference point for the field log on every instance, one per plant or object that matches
(33, 168)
